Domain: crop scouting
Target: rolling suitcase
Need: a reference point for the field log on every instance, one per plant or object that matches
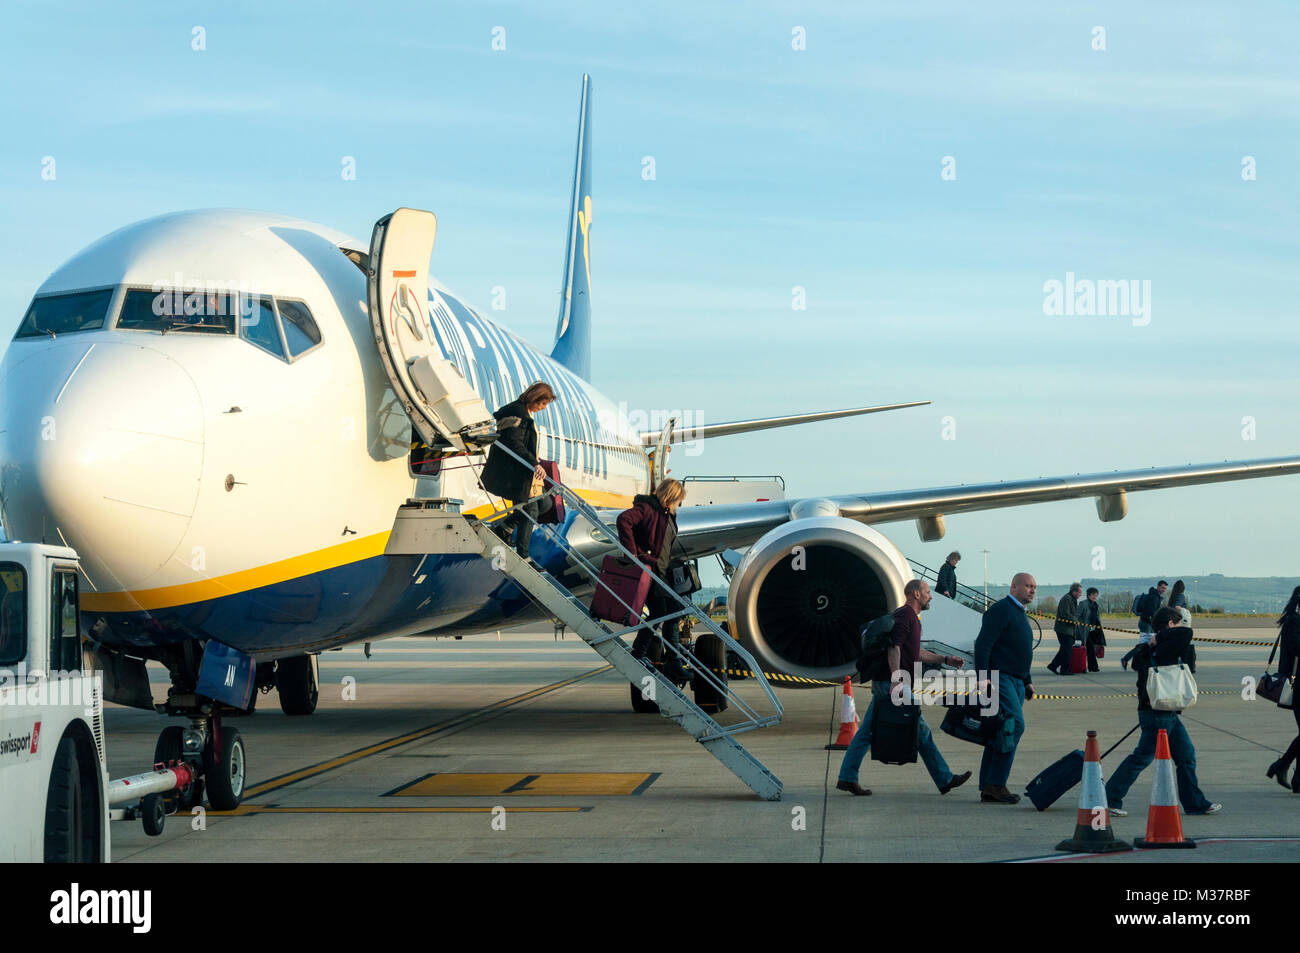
(555, 512)
(621, 591)
(1078, 659)
(1058, 778)
(894, 732)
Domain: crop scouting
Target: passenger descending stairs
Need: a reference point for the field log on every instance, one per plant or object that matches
(673, 703)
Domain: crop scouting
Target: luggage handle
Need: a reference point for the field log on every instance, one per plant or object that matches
(1121, 741)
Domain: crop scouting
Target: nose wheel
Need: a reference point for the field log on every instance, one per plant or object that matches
(217, 757)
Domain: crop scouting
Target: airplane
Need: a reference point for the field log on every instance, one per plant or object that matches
(210, 409)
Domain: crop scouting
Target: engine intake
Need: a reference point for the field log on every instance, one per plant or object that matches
(802, 593)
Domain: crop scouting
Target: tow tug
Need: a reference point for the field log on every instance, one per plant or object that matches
(55, 793)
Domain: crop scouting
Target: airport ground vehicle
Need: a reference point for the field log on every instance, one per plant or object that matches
(55, 794)
(53, 783)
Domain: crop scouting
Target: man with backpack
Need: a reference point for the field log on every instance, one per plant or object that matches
(1145, 607)
(902, 654)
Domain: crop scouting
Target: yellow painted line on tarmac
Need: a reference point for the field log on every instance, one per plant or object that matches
(499, 784)
(459, 721)
(247, 810)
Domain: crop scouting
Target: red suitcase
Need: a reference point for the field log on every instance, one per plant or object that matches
(1078, 659)
(555, 512)
(629, 583)
(1099, 651)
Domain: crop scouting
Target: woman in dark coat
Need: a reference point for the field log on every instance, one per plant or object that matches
(649, 529)
(1178, 595)
(1290, 651)
(509, 478)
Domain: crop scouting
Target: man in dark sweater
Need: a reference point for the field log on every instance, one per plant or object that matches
(903, 659)
(1170, 645)
(1003, 650)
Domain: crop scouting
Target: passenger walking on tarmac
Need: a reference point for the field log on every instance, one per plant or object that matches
(1094, 635)
(947, 582)
(901, 658)
(1290, 646)
(507, 477)
(1170, 644)
(1067, 629)
(1178, 595)
(649, 529)
(1147, 606)
(1003, 650)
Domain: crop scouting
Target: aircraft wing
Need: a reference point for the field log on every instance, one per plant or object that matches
(685, 434)
(709, 529)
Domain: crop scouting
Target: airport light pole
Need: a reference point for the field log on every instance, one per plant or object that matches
(986, 577)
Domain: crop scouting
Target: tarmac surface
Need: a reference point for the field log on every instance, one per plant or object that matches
(441, 743)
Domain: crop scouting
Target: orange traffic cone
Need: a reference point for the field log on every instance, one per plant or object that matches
(1164, 825)
(1092, 833)
(848, 718)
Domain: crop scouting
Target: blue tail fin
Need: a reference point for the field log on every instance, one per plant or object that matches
(573, 329)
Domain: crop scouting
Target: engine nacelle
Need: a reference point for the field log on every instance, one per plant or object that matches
(802, 593)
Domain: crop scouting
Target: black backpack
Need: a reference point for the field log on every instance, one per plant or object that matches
(877, 638)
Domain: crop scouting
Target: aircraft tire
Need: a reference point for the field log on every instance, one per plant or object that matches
(644, 706)
(295, 680)
(225, 779)
(711, 653)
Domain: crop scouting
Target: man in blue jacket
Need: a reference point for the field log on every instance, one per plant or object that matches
(1004, 649)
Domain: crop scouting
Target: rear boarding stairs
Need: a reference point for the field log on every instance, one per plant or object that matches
(607, 638)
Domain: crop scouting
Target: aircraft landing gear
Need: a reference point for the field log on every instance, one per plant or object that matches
(215, 755)
(298, 682)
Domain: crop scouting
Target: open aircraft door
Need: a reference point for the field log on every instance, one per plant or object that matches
(443, 407)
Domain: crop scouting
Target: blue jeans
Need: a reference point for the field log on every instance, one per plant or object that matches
(857, 750)
(995, 766)
(1180, 750)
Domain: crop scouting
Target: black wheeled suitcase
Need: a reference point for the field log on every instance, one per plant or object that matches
(894, 732)
(1045, 789)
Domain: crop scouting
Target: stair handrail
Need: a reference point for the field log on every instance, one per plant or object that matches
(580, 505)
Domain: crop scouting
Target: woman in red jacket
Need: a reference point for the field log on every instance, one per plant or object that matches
(649, 529)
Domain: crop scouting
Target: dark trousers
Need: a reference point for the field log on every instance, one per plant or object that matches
(518, 526)
(1092, 657)
(1293, 752)
(659, 605)
(1061, 661)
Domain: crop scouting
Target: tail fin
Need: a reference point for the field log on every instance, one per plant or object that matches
(573, 329)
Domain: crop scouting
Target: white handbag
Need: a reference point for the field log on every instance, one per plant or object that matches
(1170, 688)
(1287, 698)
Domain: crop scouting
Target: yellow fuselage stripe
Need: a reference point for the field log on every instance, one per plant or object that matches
(341, 554)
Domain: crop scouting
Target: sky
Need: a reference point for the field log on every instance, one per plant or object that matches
(921, 171)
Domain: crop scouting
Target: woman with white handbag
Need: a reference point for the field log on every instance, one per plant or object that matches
(1166, 686)
(1289, 642)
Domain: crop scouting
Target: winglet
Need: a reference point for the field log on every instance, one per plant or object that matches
(573, 329)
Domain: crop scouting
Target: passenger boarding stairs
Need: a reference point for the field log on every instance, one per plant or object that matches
(608, 640)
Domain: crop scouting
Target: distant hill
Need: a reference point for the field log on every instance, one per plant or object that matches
(1262, 594)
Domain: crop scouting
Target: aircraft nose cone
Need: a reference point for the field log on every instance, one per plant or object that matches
(101, 448)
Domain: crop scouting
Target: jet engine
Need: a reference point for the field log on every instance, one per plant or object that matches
(803, 591)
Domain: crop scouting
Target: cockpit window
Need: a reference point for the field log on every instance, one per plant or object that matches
(300, 331)
(64, 314)
(211, 312)
(258, 327)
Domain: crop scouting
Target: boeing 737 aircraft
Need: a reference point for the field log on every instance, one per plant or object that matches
(215, 412)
